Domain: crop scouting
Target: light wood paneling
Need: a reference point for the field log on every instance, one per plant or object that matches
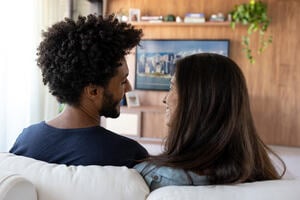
(273, 81)
(175, 7)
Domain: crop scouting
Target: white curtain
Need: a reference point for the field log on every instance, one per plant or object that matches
(23, 98)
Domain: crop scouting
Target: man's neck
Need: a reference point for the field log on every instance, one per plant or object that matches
(75, 117)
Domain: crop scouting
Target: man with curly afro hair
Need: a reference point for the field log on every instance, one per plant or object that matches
(83, 64)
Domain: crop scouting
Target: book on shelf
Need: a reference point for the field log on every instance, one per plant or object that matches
(195, 15)
(151, 18)
(194, 18)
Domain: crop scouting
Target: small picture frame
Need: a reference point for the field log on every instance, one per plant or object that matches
(132, 99)
(134, 15)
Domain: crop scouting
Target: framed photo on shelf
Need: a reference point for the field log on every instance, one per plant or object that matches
(134, 15)
(132, 99)
(155, 59)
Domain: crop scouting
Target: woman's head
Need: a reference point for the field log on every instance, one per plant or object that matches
(206, 85)
(211, 126)
(208, 93)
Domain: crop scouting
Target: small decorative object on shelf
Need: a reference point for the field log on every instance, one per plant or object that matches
(132, 99)
(134, 15)
(217, 17)
(123, 102)
(169, 18)
(178, 19)
(122, 15)
(254, 15)
(194, 18)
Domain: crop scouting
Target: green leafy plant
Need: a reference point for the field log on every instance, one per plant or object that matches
(254, 15)
(61, 107)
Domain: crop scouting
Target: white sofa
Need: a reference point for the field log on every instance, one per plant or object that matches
(14, 186)
(29, 179)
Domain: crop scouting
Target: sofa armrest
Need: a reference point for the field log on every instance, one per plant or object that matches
(15, 187)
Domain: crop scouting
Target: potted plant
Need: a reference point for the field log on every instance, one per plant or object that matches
(254, 15)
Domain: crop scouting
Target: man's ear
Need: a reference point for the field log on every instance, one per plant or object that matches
(93, 91)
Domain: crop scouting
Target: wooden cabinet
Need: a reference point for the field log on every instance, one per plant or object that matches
(139, 122)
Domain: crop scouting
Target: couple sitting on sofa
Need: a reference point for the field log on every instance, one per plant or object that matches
(212, 138)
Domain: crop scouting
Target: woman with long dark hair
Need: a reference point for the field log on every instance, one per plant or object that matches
(212, 138)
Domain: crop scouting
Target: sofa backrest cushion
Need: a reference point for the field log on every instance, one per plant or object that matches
(288, 188)
(291, 157)
(58, 181)
(261, 190)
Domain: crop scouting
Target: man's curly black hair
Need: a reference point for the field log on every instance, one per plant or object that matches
(74, 54)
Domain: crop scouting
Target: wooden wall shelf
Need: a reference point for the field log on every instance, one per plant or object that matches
(180, 24)
(160, 109)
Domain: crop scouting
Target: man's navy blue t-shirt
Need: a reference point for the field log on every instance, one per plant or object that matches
(82, 146)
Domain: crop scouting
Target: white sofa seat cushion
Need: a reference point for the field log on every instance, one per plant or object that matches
(57, 181)
(15, 187)
(261, 190)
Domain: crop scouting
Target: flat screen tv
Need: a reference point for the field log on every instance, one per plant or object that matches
(155, 59)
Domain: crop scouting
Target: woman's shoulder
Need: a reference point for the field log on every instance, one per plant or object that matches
(158, 176)
(145, 167)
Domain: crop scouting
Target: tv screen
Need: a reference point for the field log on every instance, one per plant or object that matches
(155, 59)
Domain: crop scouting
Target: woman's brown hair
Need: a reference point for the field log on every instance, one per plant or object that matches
(212, 131)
